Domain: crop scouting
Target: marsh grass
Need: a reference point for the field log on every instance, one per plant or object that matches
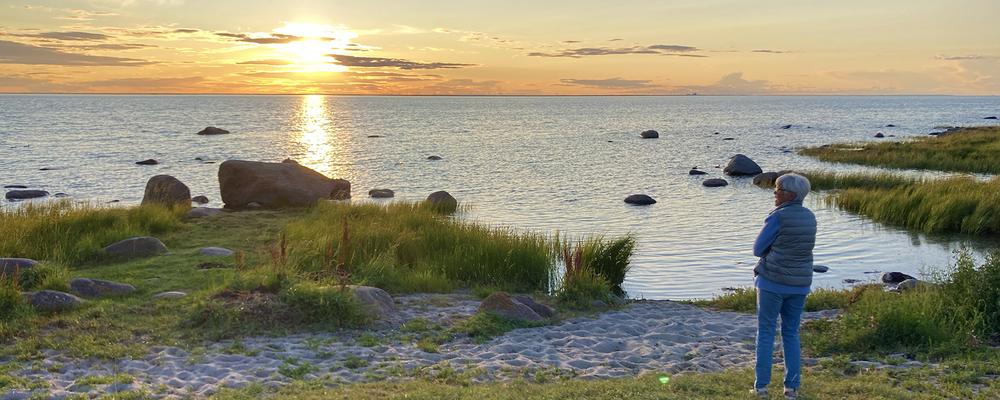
(821, 180)
(404, 247)
(744, 299)
(608, 259)
(975, 150)
(68, 233)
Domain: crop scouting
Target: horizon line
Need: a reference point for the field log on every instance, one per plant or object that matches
(492, 95)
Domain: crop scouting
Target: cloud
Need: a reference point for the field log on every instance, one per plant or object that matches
(274, 38)
(186, 30)
(69, 36)
(615, 40)
(19, 53)
(461, 87)
(768, 51)
(145, 83)
(662, 49)
(571, 41)
(86, 15)
(380, 62)
(108, 46)
(264, 62)
(611, 83)
(960, 58)
(733, 84)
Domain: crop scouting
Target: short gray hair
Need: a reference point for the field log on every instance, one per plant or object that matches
(794, 183)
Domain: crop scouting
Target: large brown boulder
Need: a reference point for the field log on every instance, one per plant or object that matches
(276, 185)
(165, 189)
(442, 201)
(741, 165)
(502, 305)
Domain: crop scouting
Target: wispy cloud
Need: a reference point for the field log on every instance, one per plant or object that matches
(611, 83)
(768, 51)
(381, 62)
(85, 15)
(273, 38)
(661, 49)
(106, 46)
(20, 53)
(67, 36)
(264, 62)
(146, 83)
(959, 58)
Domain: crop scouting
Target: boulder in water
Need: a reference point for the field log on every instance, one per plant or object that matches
(640, 200)
(880, 135)
(199, 199)
(381, 193)
(741, 165)
(443, 201)
(895, 278)
(25, 194)
(696, 171)
(650, 134)
(276, 185)
(211, 130)
(148, 161)
(714, 182)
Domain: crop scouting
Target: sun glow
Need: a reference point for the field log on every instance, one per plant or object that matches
(312, 53)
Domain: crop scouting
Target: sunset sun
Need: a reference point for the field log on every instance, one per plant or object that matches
(312, 52)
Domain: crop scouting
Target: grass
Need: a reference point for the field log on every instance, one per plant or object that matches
(974, 150)
(72, 234)
(950, 205)
(744, 299)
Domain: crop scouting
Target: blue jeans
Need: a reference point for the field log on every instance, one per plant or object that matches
(769, 306)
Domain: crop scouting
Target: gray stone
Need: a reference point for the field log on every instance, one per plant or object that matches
(541, 309)
(211, 130)
(199, 199)
(990, 117)
(376, 300)
(381, 193)
(741, 165)
(502, 305)
(215, 251)
(908, 284)
(880, 135)
(201, 212)
(434, 158)
(714, 182)
(148, 161)
(15, 187)
(442, 200)
(765, 179)
(786, 127)
(640, 200)
(10, 265)
(650, 134)
(276, 185)
(169, 295)
(92, 288)
(51, 300)
(25, 194)
(166, 190)
(137, 247)
(695, 171)
(894, 278)
(820, 268)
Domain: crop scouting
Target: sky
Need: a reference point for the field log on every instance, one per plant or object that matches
(511, 47)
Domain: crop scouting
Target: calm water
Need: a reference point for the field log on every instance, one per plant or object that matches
(543, 164)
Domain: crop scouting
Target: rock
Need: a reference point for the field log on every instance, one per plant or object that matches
(890, 126)
(15, 187)
(820, 268)
(640, 200)
(275, 185)
(880, 135)
(768, 179)
(166, 190)
(211, 130)
(199, 199)
(289, 161)
(149, 161)
(378, 301)
(253, 205)
(786, 127)
(502, 305)
(741, 165)
(201, 212)
(374, 136)
(443, 200)
(169, 295)
(215, 251)
(714, 182)
(894, 278)
(137, 247)
(9, 265)
(908, 284)
(381, 193)
(434, 158)
(25, 194)
(542, 310)
(990, 118)
(93, 288)
(60, 195)
(650, 134)
(728, 138)
(51, 300)
(697, 172)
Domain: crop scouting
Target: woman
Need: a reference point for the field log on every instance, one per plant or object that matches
(782, 277)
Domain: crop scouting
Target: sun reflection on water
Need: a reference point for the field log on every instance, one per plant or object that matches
(318, 145)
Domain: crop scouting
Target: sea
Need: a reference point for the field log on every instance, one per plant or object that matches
(542, 164)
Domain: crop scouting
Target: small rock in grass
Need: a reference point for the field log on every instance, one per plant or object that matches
(501, 304)
(93, 288)
(137, 247)
(714, 182)
(9, 265)
(378, 301)
(201, 212)
(51, 300)
(169, 295)
(908, 284)
(215, 251)
(640, 200)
